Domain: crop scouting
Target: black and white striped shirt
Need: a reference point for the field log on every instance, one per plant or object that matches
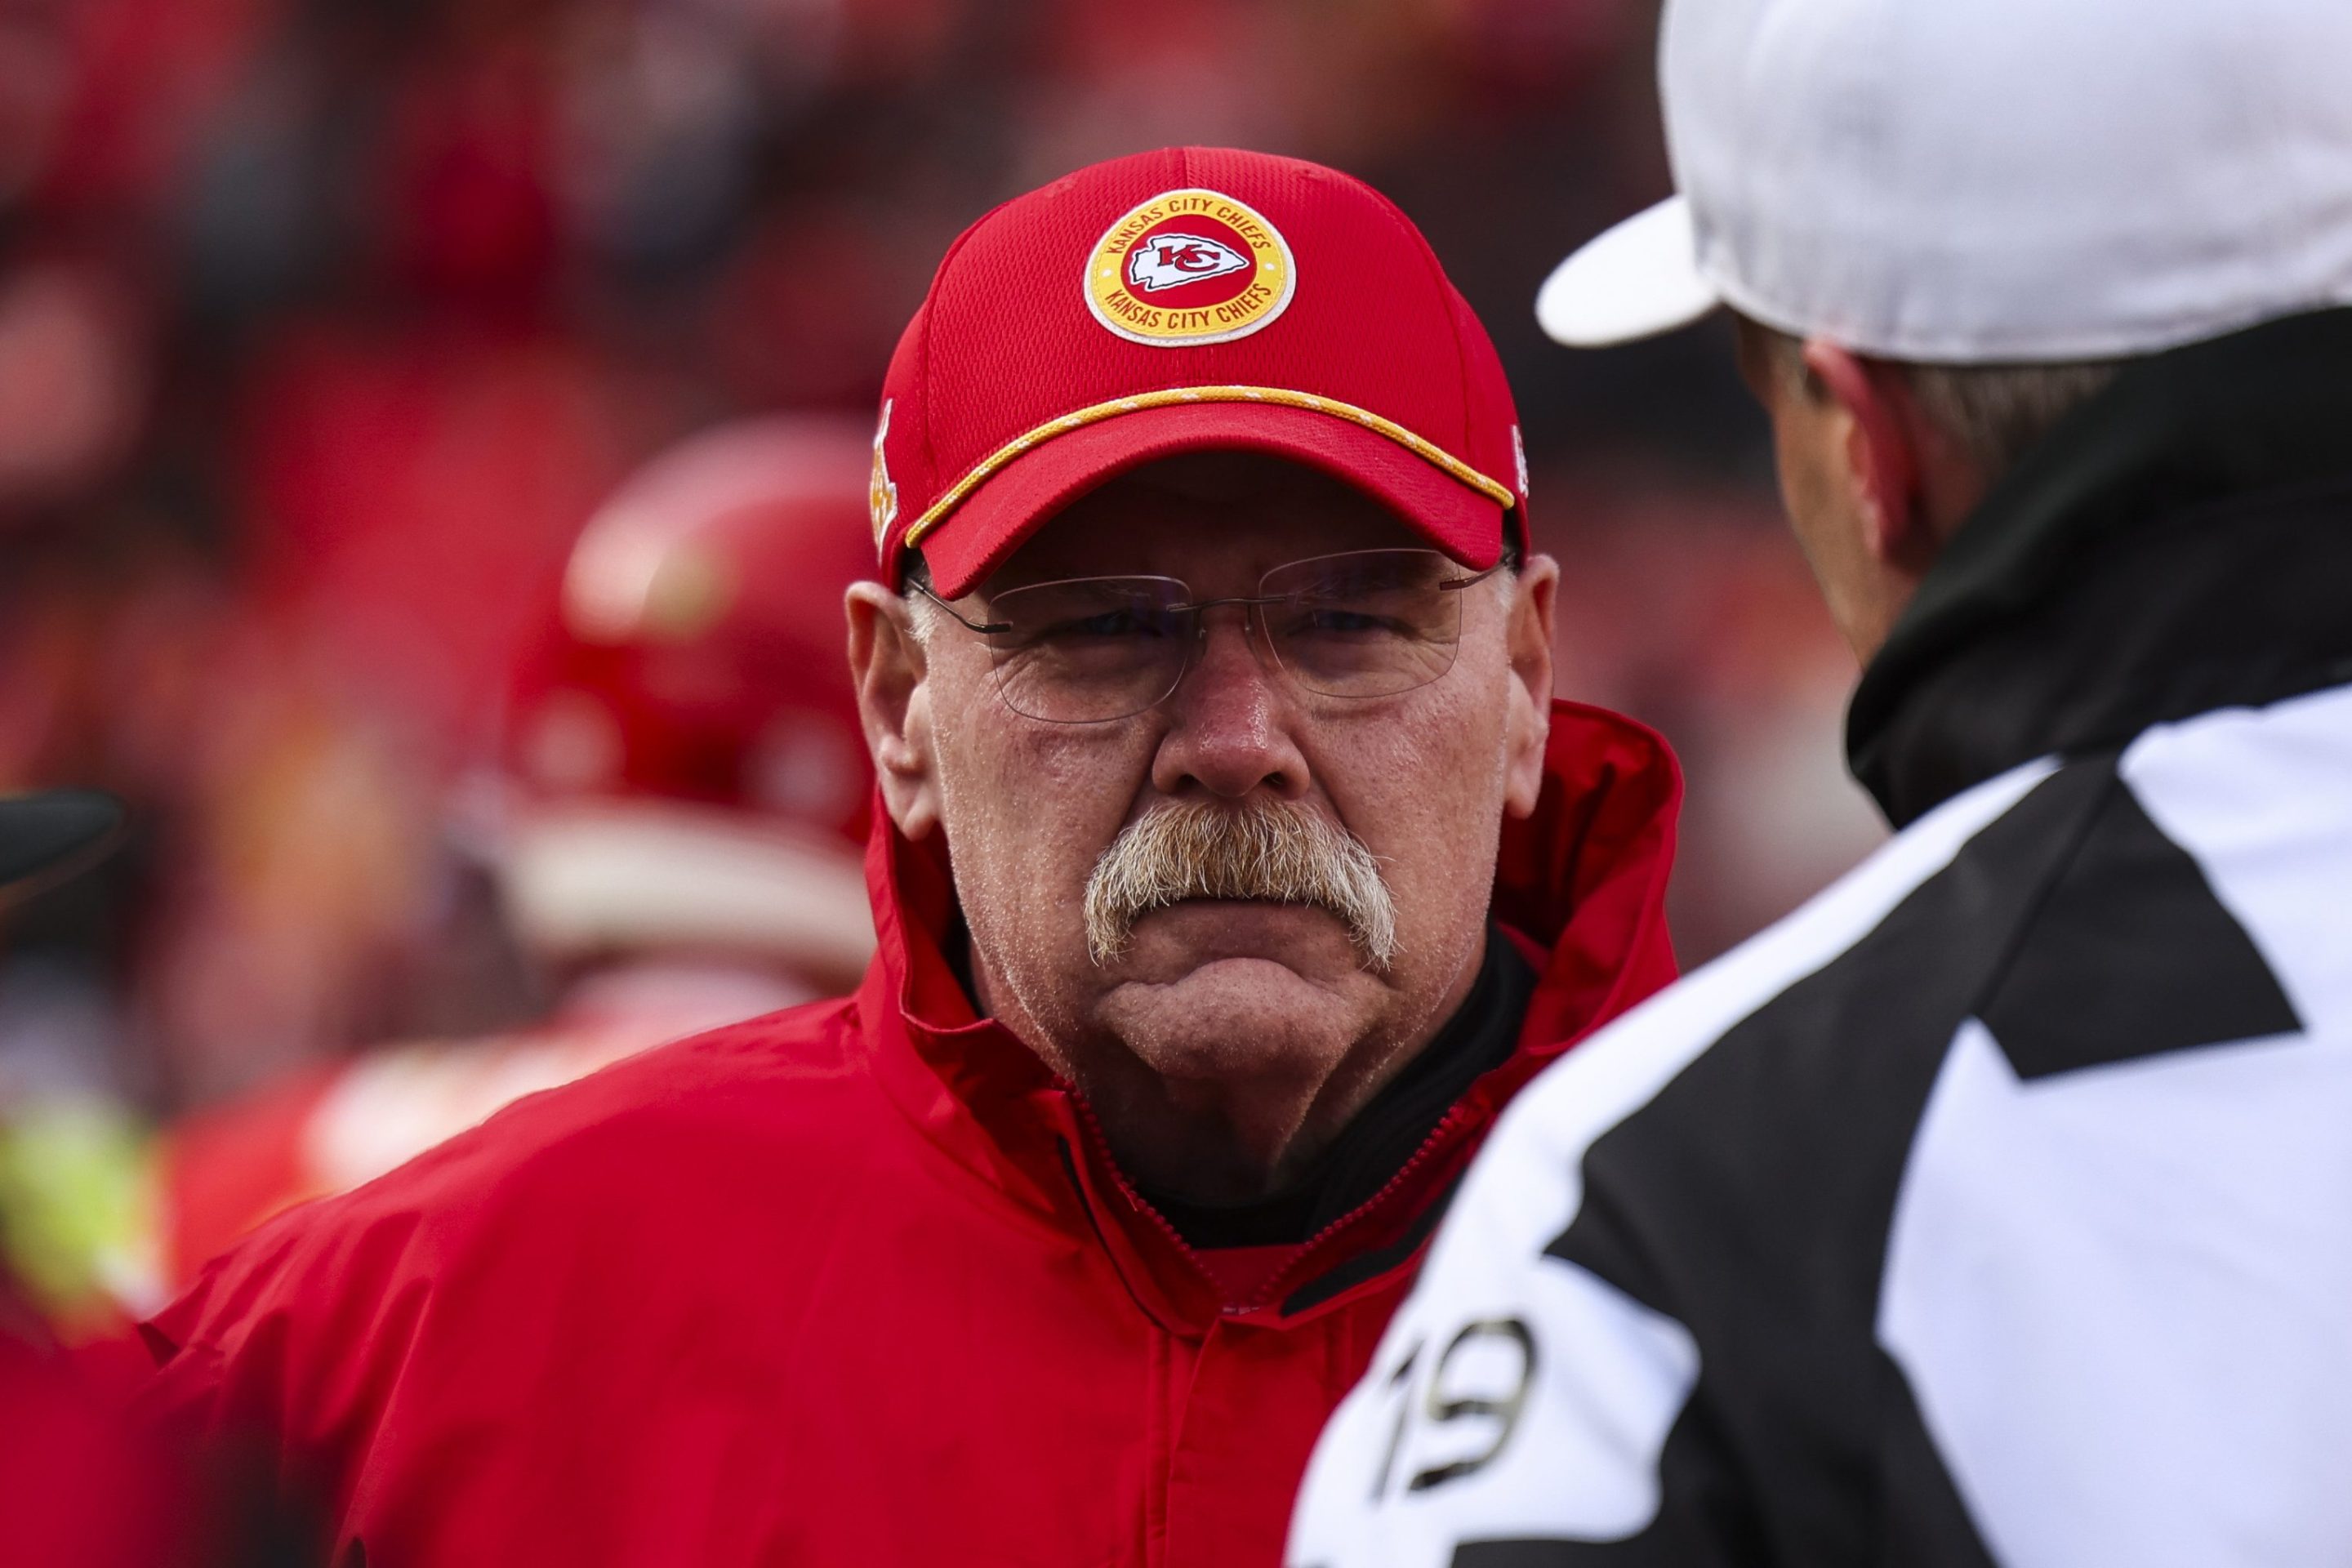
(1996, 1207)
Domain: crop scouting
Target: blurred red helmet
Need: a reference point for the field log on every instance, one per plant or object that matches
(683, 755)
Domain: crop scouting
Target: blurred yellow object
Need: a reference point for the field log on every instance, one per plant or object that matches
(77, 1220)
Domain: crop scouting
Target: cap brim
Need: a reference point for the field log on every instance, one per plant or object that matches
(1636, 280)
(55, 832)
(996, 519)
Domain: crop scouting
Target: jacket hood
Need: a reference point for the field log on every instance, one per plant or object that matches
(2174, 545)
(1579, 886)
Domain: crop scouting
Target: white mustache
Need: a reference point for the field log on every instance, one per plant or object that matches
(1276, 850)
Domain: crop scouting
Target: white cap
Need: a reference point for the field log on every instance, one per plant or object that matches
(1986, 180)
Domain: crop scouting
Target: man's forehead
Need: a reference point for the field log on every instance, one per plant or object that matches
(1228, 511)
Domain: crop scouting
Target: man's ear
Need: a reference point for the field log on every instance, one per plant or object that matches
(1534, 597)
(1882, 450)
(889, 669)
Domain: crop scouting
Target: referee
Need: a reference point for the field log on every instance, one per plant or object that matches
(1996, 1207)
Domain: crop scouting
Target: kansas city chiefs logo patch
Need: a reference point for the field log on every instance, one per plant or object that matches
(881, 490)
(1167, 260)
(1187, 268)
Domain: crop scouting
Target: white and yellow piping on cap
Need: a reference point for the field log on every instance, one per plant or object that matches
(1495, 491)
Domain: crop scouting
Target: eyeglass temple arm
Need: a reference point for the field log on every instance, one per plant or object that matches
(988, 629)
(1456, 585)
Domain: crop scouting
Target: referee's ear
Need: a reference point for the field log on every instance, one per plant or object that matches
(1534, 592)
(1882, 449)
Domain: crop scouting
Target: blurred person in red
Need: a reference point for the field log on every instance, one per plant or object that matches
(676, 833)
(1235, 868)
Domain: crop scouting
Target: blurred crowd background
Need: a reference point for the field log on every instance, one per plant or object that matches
(325, 324)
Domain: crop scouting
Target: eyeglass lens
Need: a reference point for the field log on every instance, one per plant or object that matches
(1369, 622)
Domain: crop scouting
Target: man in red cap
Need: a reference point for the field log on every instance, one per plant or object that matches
(1234, 867)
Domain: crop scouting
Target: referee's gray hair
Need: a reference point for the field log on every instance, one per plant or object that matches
(1994, 412)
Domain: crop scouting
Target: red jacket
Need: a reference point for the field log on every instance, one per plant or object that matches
(856, 1283)
(81, 1486)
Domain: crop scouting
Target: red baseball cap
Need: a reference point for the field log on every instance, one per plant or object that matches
(1189, 300)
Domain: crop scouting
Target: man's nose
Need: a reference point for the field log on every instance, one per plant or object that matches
(1229, 722)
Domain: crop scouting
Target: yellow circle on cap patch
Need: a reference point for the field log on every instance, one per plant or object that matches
(1189, 268)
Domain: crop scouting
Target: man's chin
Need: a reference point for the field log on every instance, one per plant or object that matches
(1215, 991)
(1233, 1018)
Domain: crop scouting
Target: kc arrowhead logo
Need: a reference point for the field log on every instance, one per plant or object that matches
(1187, 268)
(1166, 260)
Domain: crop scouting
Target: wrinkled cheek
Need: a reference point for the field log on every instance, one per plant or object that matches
(1029, 808)
(1428, 802)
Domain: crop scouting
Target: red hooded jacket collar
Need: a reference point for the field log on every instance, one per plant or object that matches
(1579, 886)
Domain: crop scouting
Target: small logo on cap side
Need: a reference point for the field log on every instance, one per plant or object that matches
(1189, 268)
(881, 491)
